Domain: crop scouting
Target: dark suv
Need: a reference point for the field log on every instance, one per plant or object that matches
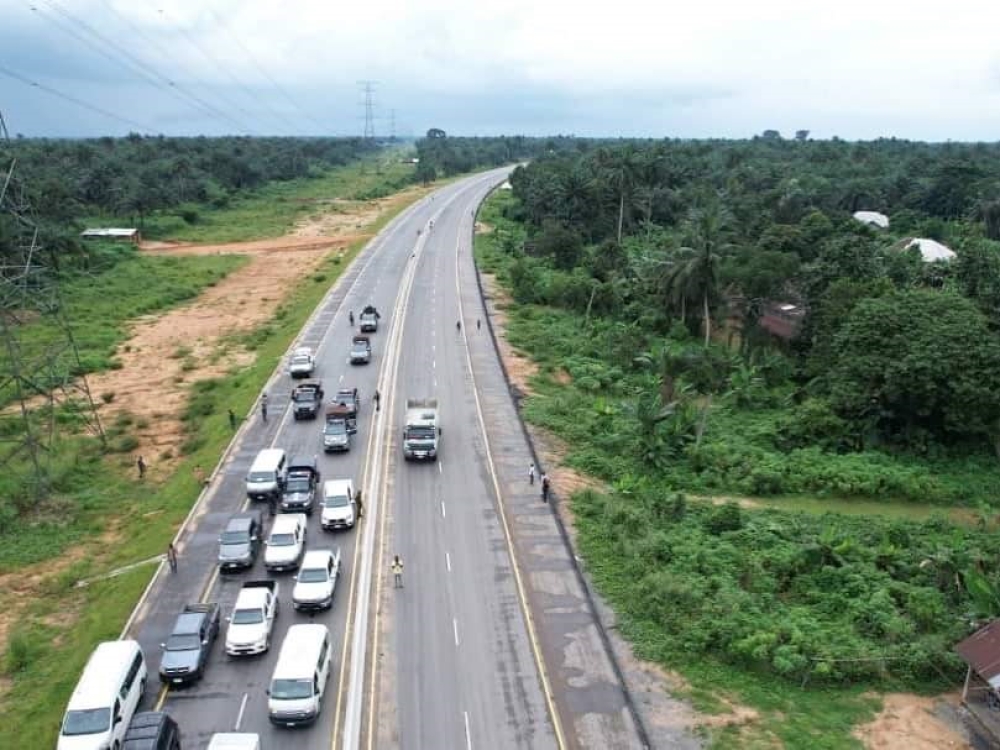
(240, 540)
(300, 485)
(152, 730)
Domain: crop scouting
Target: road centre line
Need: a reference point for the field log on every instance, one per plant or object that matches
(443, 513)
(454, 626)
(239, 716)
(447, 560)
(468, 734)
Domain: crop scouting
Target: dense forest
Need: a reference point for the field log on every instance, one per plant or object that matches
(711, 321)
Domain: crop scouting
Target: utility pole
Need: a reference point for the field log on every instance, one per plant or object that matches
(368, 89)
(392, 125)
(41, 385)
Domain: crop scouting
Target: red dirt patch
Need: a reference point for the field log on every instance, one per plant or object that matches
(914, 722)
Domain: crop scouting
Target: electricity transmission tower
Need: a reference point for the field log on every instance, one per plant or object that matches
(392, 125)
(41, 380)
(368, 89)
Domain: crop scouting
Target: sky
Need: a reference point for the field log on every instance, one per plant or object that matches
(916, 69)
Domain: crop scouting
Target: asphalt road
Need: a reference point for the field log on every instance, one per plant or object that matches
(464, 670)
(491, 677)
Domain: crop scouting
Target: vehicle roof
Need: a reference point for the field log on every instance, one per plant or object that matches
(421, 417)
(337, 486)
(299, 650)
(302, 463)
(188, 622)
(302, 351)
(98, 685)
(267, 459)
(316, 558)
(234, 741)
(146, 726)
(241, 521)
(287, 522)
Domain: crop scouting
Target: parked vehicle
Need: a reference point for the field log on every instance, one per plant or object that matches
(307, 398)
(295, 696)
(369, 319)
(186, 650)
(266, 478)
(336, 436)
(252, 620)
(302, 363)
(234, 741)
(239, 542)
(339, 507)
(152, 730)
(422, 430)
(361, 350)
(105, 699)
(317, 579)
(287, 542)
(300, 486)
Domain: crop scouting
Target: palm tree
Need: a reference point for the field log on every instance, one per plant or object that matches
(622, 169)
(700, 277)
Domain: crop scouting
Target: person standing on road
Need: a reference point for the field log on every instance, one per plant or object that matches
(378, 399)
(232, 420)
(350, 318)
(272, 503)
(545, 488)
(531, 473)
(172, 557)
(397, 573)
(263, 407)
(140, 464)
(458, 325)
(361, 505)
(479, 324)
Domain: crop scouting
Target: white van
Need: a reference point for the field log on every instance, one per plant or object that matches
(339, 509)
(287, 542)
(105, 698)
(267, 474)
(295, 696)
(234, 741)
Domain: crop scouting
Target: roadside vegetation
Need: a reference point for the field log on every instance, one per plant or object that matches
(642, 277)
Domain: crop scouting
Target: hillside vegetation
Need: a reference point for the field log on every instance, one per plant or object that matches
(643, 278)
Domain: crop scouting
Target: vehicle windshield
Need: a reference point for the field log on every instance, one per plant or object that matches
(261, 476)
(420, 433)
(301, 359)
(289, 690)
(313, 575)
(282, 540)
(184, 642)
(90, 721)
(298, 484)
(337, 501)
(306, 395)
(234, 537)
(247, 617)
(336, 428)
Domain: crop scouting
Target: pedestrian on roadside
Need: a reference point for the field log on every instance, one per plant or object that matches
(531, 473)
(232, 420)
(199, 475)
(458, 325)
(378, 399)
(397, 573)
(545, 488)
(361, 505)
(479, 324)
(172, 557)
(140, 464)
(263, 407)
(272, 503)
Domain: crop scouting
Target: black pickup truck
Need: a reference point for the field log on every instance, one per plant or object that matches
(307, 399)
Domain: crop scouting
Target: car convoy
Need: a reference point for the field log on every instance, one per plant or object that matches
(102, 710)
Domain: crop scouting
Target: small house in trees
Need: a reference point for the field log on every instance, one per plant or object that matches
(930, 250)
(782, 320)
(872, 219)
(981, 652)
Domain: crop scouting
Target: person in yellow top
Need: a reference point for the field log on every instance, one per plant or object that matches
(397, 572)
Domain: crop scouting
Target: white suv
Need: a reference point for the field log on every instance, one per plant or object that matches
(339, 508)
(286, 543)
(316, 580)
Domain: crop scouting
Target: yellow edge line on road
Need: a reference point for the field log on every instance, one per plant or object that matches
(522, 597)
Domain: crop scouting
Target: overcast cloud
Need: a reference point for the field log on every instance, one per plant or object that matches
(709, 68)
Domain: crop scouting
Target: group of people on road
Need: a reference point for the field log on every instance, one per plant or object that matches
(546, 485)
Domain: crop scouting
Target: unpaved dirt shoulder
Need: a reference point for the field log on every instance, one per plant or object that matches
(906, 722)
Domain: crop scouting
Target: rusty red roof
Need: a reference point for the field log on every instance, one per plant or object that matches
(981, 651)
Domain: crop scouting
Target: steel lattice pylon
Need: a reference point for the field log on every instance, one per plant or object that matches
(41, 376)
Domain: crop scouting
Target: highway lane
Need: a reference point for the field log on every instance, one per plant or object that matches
(465, 673)
(232, 693)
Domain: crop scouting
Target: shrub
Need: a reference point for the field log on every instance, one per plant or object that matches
(108, 396)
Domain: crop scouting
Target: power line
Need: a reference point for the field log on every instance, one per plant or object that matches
(264, 73)
(70, 98)
(145, 70)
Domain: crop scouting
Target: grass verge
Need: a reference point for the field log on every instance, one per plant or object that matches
(38, 687)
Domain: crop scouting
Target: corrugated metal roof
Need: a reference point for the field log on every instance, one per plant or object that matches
(981, 651)
(872, 217)
(109, 232)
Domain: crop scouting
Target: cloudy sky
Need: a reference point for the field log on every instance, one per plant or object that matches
(920, 69)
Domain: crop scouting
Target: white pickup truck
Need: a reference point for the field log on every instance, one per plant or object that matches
(252, 620)
(302, 363)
